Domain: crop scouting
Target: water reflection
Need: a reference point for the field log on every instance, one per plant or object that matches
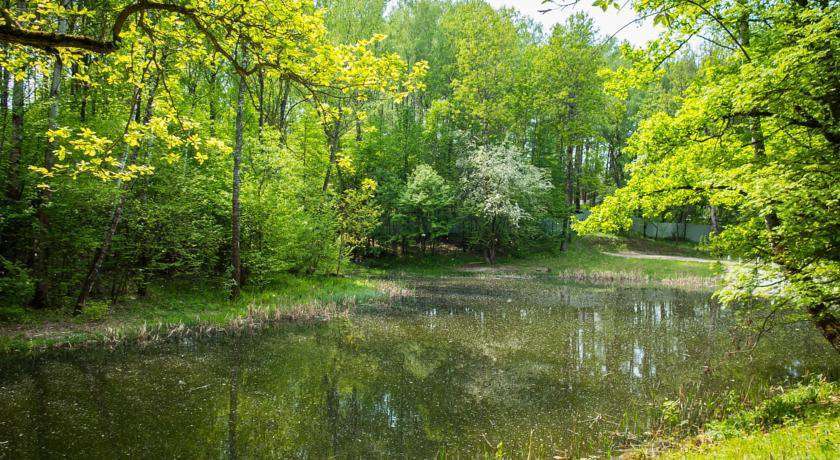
(461, 366)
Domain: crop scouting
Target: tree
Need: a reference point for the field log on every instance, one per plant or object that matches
(487, 65)
(357, 217)
(758, 135)
(569, 93)
(424, 201)
(500, 189)
(157, 51)
(39, 246)
(159, 136)
(239, 127)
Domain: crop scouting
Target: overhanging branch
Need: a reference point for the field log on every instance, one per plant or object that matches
(12, 33)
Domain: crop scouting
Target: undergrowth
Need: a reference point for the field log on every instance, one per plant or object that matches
(802, 421)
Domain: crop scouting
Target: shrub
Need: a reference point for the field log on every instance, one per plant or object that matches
(94, 311)
(787, 407)
(16, 287)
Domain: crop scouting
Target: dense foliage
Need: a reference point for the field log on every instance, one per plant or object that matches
(143, 141)
(755, 136)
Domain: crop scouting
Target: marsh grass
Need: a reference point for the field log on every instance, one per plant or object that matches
(636, 278)
(183, 309)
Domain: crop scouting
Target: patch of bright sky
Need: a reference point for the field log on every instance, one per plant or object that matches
(608, 22)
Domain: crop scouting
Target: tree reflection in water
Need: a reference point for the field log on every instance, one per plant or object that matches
(457, 368)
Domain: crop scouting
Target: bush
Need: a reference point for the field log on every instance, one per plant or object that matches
(95, 310)
(787, 407)
(12, 314)
(16, 287)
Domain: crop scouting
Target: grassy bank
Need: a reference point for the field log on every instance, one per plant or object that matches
(184, 307)
(624, 258)
(608, 257)
(181, 307)
(800, 422)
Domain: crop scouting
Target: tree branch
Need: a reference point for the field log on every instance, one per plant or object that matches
(12, 33)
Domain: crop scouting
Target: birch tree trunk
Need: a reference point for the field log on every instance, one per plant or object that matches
(13, 185)
(40, 246)
(130, 156)
(4, 105)
(236, 260)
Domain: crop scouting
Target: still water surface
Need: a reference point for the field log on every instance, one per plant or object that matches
(458, 367)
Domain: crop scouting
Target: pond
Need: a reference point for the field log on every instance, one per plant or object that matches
(462, 367)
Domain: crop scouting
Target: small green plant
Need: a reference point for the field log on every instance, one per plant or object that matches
(671, 412)
(12, 314)
(96, 310)
(802, 418)
(788, 407)
(16, 286)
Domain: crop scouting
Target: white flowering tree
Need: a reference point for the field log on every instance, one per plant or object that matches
(500, 189)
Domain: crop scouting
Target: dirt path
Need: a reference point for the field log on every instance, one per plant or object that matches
(638, 255)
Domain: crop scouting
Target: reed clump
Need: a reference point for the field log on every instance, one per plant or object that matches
(639, 278)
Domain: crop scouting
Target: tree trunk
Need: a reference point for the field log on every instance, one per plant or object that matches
(578, 165)
(490, 250)
(145, 258)
(102, 250)
(234, 215)
(490, 254)
(213, 114)
(284, 103)
(714, 219)
(261, 99)
(615, 160)
(340, 251)
(334, 136)
(85, 93)
(101, 253)
(40, 245)
(570, 195)
(13, 185)
(570, 176)
(4, 105)
(827, 323)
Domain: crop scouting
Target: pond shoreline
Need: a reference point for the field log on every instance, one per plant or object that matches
(501, 347)
(70, 335)
(301, 299)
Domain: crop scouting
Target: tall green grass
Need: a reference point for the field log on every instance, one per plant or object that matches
(800, 422)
